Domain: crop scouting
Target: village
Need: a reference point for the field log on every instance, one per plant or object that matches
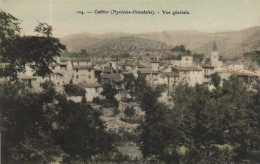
(90, 74)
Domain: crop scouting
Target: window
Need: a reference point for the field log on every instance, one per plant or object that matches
(89, 76)
(72, 76)
(89, 70)
(77, 76)
(63, 67)
(77, 70)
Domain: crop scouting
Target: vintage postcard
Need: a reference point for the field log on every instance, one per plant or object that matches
(129, 81)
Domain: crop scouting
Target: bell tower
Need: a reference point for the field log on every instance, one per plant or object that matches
(214, 56)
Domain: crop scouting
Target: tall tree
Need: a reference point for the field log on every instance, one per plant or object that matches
(27, 133)
(18, 51)
(215, 79)
(80, 131)
(109, 92)
(9, 26)
(215, 126)
(129, 84)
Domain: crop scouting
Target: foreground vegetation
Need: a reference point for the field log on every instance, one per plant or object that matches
(203, 126)
(41, 127)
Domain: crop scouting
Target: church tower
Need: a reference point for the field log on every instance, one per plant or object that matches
(214, 56)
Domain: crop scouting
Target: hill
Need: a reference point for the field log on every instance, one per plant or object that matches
(75, 42)
(127, 44)
(230, 44)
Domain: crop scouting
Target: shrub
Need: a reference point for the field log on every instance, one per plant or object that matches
(129, 111)
(96, 100)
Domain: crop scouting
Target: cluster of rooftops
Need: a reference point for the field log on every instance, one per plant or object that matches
(92, 72)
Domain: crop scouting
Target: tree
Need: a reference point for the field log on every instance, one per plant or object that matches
(27, 133)
(202, 120)
(215, 126)
(182, 51)
(9, 26)
(109, 92)
(161, 130)
(241, 119)
(129, 84)
(18, 51)
(215, 79)
(44, 29)
(80, 131)
(140, 85)
(38, 127)
(83, 52)
(129, 111)
(180, 48)
(125, 55)
(198, 57)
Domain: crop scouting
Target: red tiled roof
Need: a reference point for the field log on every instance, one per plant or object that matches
(108, 69)
(206, 65)
(26, 77)
(79, 59)
(131, 63)
(113, 77)
(90, 85)
(171, 74)
(99, 62)
(162, 63)
(239, 73)
(83, 67)
(149, 72)
(186, 69)
(244, 74)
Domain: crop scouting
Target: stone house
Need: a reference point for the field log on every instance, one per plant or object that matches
(235, 66)
(130, 65)
(155, 65)
(83, 73)
(190, 75)
(207, 70)
(74, 92)
(186, 61)
(170, 79)
(92, 90)
(29, 80)
(152, 76)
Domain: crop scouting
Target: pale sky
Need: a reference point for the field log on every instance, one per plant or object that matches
(206, 15)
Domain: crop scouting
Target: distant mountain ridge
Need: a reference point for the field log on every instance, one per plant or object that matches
(127, 43)
(230, 44)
